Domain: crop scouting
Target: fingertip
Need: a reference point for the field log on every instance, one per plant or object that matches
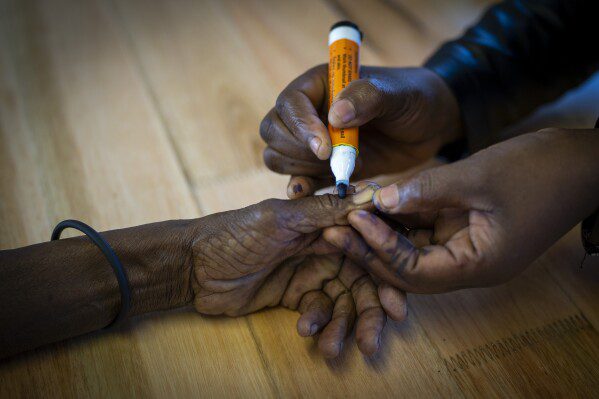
(357, 216)
(320, 143)
(364, 195)
(299, 187)
(315, 143)
(330, 349)
(365, 184)
(387, 198)
(393, 301)
(303, 329)
(370, 327)
(325, 150)
(370, 345)
(306, 327)
(295, 190)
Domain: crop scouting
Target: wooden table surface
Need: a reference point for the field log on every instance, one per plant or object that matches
(122, 112)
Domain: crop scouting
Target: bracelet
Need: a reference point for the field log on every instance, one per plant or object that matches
(114, 261)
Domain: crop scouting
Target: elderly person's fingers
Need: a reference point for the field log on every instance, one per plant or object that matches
(394, 301)
(310, 276)
(303, 186)
(331, 340)
(371, 318)
(316, 309)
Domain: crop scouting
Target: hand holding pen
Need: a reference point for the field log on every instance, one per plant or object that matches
(405, 116)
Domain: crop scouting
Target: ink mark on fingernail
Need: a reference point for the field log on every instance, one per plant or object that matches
(297, 189)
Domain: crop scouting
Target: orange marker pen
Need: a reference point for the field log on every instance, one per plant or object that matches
(345, 39)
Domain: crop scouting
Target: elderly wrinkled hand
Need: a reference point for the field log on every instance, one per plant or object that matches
(273, 253)
(332, 293)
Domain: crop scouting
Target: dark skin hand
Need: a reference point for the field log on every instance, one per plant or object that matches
(229, 263)
(272, 253)
(405, 116)
(480, 221)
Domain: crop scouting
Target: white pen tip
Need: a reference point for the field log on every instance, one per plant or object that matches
(343, 162)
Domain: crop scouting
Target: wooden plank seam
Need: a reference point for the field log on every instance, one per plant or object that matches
(493, 351)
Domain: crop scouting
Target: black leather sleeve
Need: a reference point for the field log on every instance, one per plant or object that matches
(518, 56)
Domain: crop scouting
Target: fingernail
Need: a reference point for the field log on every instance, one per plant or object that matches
(315, 143)
(313, 329)
(363, 196)
(344, 111)
(388, 197)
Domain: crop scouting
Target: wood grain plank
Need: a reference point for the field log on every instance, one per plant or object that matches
(408, 365)
(216, 67)
(395, 34)
(443, 20)
(80, 139)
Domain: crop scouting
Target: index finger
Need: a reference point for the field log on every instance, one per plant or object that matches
(298, 105)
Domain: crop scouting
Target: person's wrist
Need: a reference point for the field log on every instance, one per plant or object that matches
(158, 261)
(580, 145)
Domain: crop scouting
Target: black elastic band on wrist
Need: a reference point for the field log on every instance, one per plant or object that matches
(114, 261)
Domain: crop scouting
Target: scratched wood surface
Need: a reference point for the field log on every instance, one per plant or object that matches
(121, 112)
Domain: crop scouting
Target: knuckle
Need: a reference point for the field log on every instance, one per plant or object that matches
(426, 185)
(308, 79)
(316, 72)
(359, 284)
(282, 103)
(371, 91)
(270, 203)
(267, 209)
(320, 69)
(373, 88)
(404, 262)
(328, 201)
(266, 128)
(422, 186)
(344, 306)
